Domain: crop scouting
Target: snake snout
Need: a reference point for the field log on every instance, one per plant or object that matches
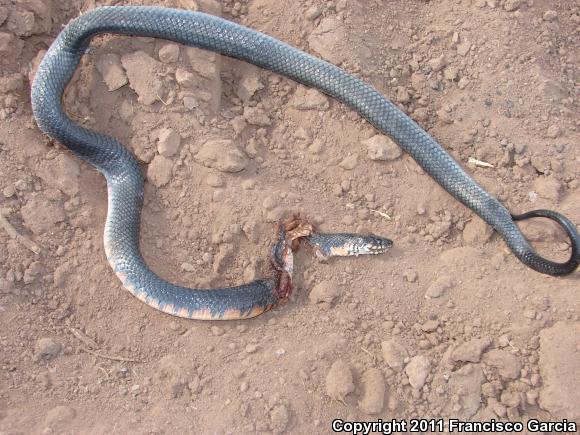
(377, 245)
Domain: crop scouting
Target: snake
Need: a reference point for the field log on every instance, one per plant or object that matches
(125, 183)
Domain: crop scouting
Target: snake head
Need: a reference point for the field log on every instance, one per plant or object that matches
(346, 245)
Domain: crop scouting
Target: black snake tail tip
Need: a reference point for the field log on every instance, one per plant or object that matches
(572, 233)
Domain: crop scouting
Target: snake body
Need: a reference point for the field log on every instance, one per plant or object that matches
(125, 181)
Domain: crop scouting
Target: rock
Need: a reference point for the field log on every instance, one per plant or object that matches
(417, 371)
(477, 232)
(339, 380)
(309, 99)
(439, 286)
(349, 162)
(463, 48)
(256, 116)
(185, 78)
(168, 142)
(507, 364)
(222, 155)
(512, 5)
(249, 84)
(160, 170)
(550, 15)
(548, 188)
(62, 173)
(324, 293)
(110, 68)
(381, 147)
(279, 417)
(142, 72)
(47, 349)
(394, 354)
(553, 131)
(466, 384)
(559, 362)
(470, 351)
(327, 38)
(373, 392)
(41, 215)
(169, 53)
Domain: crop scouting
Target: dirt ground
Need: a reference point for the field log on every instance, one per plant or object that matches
(447, 324)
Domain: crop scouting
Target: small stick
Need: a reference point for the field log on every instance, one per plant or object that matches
(382, 214)
(84, 338)
(17, 236)
(479, 163)
(111, 357)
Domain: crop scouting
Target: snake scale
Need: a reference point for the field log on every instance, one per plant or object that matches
(125, 181)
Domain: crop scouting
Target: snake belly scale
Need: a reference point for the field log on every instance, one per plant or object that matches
(125, 181)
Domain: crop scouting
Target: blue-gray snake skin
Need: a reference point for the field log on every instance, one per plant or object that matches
(125, 181)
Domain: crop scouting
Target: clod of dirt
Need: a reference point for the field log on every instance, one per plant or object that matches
(312, 13)
(250, 83)
(62, 173)
(59, 416)
(256, 116)
(373, 395)
(159, 170)
(279, 417)
(438, 63)
(553, 131)
(169, 53)
(417, 371)
(470, 351)
(309, 99)
(466, 384)
(559, 362)
(47, 349)
(512, 5)
(142, 74)
(349, 162)
(41, 215)
(394, 354)
(168, 142)
(185, 78)
(477, 232)
(443, 283)
(326, 40)
(548, 187)
(507, 365)
(339, 380)
(221, 154)
(380, 147)
(110, 68)
(324, 293)
(550, 15)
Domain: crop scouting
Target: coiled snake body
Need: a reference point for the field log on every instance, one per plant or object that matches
(125, 182)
